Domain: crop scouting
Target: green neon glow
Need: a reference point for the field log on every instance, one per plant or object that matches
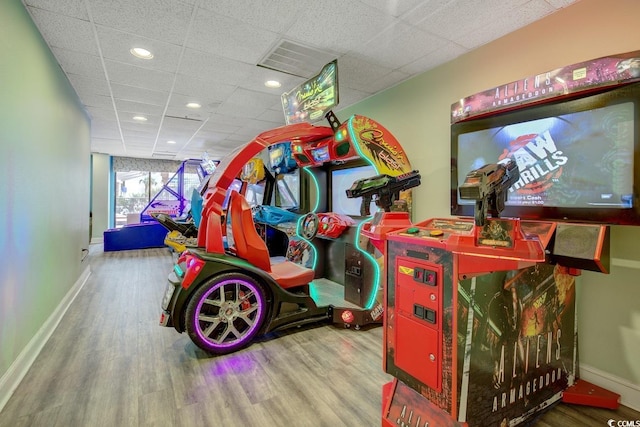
(315, 251)
(315, 208)
(313, 291)
(315, 181)
(376, 267)
(178, 270)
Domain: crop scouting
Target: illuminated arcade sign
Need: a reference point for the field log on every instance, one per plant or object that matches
(310, 101)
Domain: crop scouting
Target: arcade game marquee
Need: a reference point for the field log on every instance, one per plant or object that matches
(480, 314)
(272, 257)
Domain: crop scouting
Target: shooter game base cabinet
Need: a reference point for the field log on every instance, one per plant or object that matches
(480, 322)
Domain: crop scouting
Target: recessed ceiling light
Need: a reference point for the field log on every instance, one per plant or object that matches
(140, 118)
(193, 105)
(272, 83)
(171, 142)
(141, 53)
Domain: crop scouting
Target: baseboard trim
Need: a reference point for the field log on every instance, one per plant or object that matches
(19, 368)
(628, 263)
(629, 393)
(96, 240)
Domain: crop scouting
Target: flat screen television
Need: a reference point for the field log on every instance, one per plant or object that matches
(578, 158)
(340, 181)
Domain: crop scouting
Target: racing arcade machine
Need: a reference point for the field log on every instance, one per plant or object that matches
(232, 287)
(480, 315)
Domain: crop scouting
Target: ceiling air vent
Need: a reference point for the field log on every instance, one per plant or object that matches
(296, 59)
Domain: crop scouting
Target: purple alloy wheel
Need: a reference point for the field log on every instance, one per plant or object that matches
(228, 314)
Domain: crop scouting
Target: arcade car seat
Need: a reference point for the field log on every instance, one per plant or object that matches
(250, 247)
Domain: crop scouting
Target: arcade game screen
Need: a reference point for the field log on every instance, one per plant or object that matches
(341, 180)
(580, 158)
(574, 160)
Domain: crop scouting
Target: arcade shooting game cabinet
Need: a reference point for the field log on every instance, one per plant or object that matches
(233, 286)
(480, 316)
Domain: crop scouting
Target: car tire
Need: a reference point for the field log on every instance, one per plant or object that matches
(226, 313)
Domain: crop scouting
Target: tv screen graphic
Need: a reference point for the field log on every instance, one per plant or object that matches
(341, 180)
(576, 160)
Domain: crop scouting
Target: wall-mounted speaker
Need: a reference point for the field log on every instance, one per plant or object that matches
(583, 246)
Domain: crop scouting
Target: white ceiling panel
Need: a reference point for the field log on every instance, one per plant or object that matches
(207, 51)
(229, 38)
(116, 45)
(65, 32)
(156, 19)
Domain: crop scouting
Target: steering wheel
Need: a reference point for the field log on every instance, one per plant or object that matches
(308, 227)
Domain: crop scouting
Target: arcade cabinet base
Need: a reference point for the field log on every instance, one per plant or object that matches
(584, 393)
(403, 406)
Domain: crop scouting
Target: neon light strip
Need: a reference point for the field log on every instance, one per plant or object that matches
(315, 181)
(376, 269)
(315, 208)
(315, 251)
(376, 275)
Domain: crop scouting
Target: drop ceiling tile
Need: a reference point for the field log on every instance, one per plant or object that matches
(229, 38)
(81, 63)
(276, 16)
(394, 8)
(210, 136)
(425, 9)
(88, 86)
(179, 125)
(98, 101)
(155, 19)
(338, 25)
(207, 66)
(506, 21)
(178, 106)
(116, 45)
(349, 96)
(139, 143)
(131, 75)
(399, 45)
(358, 74)
(273, 116)
(127, 124)
(103, 113)
(240, 111)
(138, 94)
(149, 134)
(137, 108)
(72, 8)
(221, 119)
(211, 91)
(259, 75)
(559, 4)
(444, 54)
(388, 80)
(220, 127)
(100, 129)
(463, 17)
(65, 32)
(243, 97)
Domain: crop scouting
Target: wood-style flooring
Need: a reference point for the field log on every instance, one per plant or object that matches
(109, 363)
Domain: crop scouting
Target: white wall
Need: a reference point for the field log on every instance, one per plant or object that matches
(100, 197)
(44, 184)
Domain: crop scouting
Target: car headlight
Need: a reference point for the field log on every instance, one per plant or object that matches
(168, 293)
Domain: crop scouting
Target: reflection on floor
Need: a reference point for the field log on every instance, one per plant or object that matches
(325, 292)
